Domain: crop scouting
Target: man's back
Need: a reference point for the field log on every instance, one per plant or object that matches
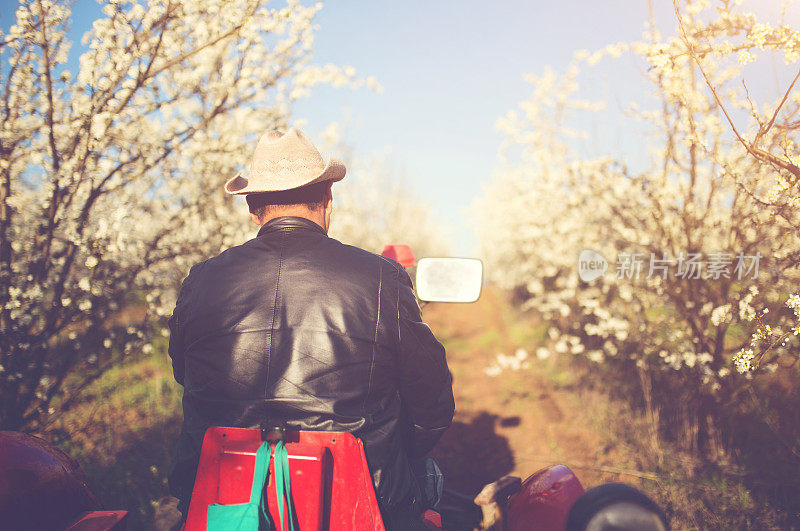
(295, 328)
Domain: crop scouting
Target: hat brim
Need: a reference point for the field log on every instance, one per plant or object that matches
(241, 183)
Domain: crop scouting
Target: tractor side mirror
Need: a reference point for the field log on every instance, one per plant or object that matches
(449, 279)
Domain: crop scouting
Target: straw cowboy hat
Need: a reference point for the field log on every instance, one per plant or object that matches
(283, 161)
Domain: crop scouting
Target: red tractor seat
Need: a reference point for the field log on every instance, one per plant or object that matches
(331, 484)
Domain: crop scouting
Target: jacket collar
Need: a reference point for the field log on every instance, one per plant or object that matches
(289, 223)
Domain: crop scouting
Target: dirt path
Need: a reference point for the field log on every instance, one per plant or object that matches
(518, 421)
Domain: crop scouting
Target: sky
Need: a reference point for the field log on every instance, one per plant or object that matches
(449, 70)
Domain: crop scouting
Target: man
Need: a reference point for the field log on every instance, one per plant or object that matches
(296, 328)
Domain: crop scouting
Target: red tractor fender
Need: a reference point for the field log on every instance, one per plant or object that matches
(43, 488)
(544, 500)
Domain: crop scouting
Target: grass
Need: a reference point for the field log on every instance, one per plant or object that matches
(122, 434)
(694, 494)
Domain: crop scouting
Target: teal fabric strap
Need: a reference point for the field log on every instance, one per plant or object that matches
(262, 505)
(260, 471)
(243, 516)
(283, 483)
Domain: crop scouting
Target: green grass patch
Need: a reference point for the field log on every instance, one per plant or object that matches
(122, 433)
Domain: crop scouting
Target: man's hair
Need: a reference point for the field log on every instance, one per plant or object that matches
(312, 197)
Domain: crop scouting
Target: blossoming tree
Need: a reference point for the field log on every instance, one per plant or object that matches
(692, 254)
(111, 172)
(768, 134)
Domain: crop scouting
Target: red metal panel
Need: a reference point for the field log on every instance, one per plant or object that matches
(331, 484)
(544, 500)
(401, 253)
(432, 519)
(100, 521)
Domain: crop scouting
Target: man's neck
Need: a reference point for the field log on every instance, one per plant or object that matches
(317, 217)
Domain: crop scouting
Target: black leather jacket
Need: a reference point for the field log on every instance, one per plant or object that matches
(296, 328)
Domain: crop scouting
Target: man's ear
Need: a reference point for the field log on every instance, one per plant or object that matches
(328, 206)
(255, 219)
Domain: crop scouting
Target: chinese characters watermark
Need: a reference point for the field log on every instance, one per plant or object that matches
(632, 266)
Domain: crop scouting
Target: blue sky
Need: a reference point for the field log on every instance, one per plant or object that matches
(449, 70)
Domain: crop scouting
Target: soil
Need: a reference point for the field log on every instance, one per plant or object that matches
(518, 421)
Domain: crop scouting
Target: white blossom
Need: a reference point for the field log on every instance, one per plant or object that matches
(701, 201)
